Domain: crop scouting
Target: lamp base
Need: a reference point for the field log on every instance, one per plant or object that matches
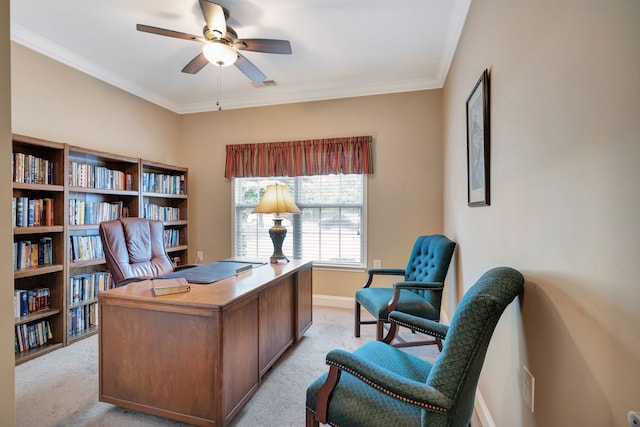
(276, 259)
(278, 232)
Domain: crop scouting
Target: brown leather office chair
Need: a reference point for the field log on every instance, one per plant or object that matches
(134, 249)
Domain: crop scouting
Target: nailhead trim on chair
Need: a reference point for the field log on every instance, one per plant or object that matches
(387, 392)
(424, 331)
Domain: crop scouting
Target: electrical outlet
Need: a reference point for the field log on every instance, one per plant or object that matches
(199, 257)
(634, 419)
(528, 387)
(376, 263)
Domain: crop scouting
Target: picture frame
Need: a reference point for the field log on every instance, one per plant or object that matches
(478, 146)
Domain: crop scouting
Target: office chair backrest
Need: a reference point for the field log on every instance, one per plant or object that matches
(429, 262)
(456, 371)
(134, 247)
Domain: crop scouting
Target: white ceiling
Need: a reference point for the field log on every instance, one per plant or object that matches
(341, 48)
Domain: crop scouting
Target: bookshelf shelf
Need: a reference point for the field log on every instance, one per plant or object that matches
(165, 195)
(37, 271)
(86, 263)
(59, 180)
(122, 193)
(175, 223)
(38, 230)
(83, 334)
(83, 227)
(82, 303)
(36, 315)
(37, 187)
(37, 352)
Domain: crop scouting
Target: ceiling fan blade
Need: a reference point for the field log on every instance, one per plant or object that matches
(215, 17)
(196, 64)
(264, 45)
(249, 69)
(168, 33)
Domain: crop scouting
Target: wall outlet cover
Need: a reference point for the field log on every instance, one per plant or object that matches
(528, 388)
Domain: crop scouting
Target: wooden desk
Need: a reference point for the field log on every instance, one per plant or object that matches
(198, 357)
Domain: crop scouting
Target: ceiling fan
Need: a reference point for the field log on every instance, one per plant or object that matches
(222, 43)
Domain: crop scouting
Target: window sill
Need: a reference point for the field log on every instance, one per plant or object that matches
(337, 267)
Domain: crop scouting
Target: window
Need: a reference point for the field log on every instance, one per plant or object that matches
(330, 230)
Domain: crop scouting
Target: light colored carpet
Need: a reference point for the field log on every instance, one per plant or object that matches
(61, 388)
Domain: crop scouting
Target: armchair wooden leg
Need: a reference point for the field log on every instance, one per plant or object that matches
(391, 334)
(379, 330)
(311, 420)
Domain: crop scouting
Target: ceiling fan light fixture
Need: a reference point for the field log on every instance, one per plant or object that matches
(219, 53)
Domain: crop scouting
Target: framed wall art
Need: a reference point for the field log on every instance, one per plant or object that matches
(478, 143)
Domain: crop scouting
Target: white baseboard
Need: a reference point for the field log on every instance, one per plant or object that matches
(347, 302)
(483, 411)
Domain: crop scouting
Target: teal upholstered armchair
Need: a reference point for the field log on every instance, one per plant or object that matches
(419, 293)
(381, 385)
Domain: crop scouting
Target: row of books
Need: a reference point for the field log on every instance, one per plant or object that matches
(160, 213)
(32, 335)
(27, 301)
(171, 237)
(81, 318)
(30, 169)
(28, 254)
(160, 183)
(84, 248)
(89, 176)
(85, 287)
(83, 212)
(28, 212)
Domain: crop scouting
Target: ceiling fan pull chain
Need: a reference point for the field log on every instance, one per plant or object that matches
(219, 86)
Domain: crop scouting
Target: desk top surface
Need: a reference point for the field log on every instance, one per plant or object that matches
(216, 295)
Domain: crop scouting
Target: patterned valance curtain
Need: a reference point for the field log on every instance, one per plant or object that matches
(349, 155)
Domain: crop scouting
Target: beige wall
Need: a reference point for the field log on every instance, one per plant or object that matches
(404, 194)
(565, 149)
(7, 402)
(55, 102)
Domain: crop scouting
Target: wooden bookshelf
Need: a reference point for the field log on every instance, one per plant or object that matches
(103, 186)
(165, 197)
(38, 174)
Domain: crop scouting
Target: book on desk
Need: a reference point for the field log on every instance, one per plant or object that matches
(170, 286)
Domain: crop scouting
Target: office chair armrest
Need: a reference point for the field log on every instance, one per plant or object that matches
(426, 286)
(420, 324)
(409, 391)
(381, 272)
(132, 279)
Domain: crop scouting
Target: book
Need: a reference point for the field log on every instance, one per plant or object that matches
(170, 286)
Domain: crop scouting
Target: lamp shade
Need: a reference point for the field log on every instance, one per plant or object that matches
(219, 53)
(277, 200)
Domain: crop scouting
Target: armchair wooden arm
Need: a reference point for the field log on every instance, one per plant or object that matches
(397, 288)
(372, 272)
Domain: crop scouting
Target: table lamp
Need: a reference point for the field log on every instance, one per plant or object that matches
(277, 201)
